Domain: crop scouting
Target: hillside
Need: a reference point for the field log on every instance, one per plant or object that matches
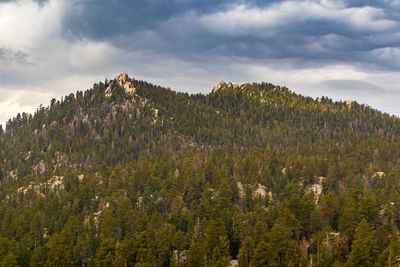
(132, 174)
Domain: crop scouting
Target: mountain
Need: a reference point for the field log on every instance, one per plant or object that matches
(128, 173)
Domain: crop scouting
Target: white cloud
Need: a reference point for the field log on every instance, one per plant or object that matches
(25, 24)
(241, 18)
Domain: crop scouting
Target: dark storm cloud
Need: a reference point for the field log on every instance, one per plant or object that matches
(101, 19)
(349, 31)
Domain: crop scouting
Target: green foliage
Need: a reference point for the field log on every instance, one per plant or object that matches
(364, 250)
(160, 178)
(10, 260)
(105, 255)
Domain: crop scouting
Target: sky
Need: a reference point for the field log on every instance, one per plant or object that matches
(343, 49)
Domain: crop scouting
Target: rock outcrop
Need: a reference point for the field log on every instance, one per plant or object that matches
(56, 183)
(258, 190)
(225, 85)
(315, 189)
(124, 82)
(348, 102)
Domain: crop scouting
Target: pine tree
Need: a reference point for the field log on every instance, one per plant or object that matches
(364, 250)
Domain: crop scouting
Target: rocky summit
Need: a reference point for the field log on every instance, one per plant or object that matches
(122, 81)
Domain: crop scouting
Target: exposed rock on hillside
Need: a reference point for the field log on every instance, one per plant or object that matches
(225, 85)
(56, 183)
(315, 189)
(124, 82)
(258, 190)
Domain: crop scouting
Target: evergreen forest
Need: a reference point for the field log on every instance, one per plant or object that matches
(128, 173)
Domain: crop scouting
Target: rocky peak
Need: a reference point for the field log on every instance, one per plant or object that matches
(224, 85)
(122, 78)
(124, 81)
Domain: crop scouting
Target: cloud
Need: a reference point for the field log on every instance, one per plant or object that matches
(26, 24)
(102, 20)
(8, 56)
(354, 86)
(242, 19)
(319, 31)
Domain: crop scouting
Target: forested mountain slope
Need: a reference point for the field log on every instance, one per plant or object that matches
(132, 174)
